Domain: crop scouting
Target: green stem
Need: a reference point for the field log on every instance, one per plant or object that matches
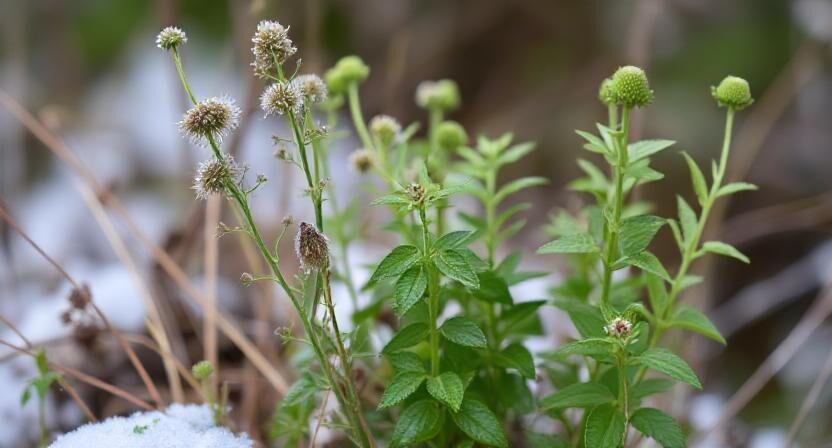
(623, 394)
(178, 61)
(357, 116)
(618, 206)
(433, 294)
(44, 432)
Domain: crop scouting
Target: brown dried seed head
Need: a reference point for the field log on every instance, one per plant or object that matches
(311, 247)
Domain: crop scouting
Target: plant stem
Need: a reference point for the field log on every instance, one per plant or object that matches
(357, 116)
(44, 432)
(433, 294)
(618, 205)
(623, 394)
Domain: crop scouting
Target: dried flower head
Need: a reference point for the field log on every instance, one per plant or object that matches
(606, 94)
(211, 118)
(362, 160)
(312, 87)
(80, 297)
(287, 220)
(385, 129)
(450, 135)
(312, 248)
(733, 92)
(281, 98)
(619, 328)
(416, 192)
(442, 94)
(202, 370)
(271, 45)
(246, 279)
(171, 38)
(630, 87)
(211, 176)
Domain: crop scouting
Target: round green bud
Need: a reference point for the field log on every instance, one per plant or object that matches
(442, 94)
(605, 93)
(732, 92)
(630, 87)
(450, 135)
(347, 70)
(202, 370)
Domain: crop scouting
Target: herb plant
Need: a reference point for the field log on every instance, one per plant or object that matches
(455, 371)
(40, 385)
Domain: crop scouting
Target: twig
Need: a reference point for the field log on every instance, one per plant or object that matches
(810, 399)
(320, 420)
(209, 325)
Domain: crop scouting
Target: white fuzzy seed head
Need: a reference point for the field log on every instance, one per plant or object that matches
(281, 98)
(385, 129)
(311, 87)
(271, 45)
(171, 38)
(362, 160)
(211, 118)
(211, 176)
(312, 248)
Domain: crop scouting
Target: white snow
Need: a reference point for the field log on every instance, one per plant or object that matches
(179, 426)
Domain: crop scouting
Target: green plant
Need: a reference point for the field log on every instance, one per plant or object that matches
(40, 385)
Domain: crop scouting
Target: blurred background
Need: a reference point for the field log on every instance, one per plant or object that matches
(88, 72)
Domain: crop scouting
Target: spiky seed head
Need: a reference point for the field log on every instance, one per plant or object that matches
(362, 160)
(733, 92)
(630, 87)
(416, 192)
(442, 94)
(312, 248)
(619, 328)
(246, 279)
(606, 94)
(450, 135)
(80, 297)
(271, 45)
(311, 87)
(171, 38)
(211, 118)
(348, 70)
(202, 370)
(281, 98)
(211, 176)
(287, 220)
(385, 129)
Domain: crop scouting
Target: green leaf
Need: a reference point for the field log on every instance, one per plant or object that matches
(409, 289)
(698, 180)
(517, 185)
(648, 262)
(448, 389)
(660, 426)
(463, 331)
(646, 148)
(402, 386)
(407, 337)
(637, 232)
(667, 362)
(693, 320)
(419, 422)
(657, 293)
(650, 386)
(587, 318)
(517, 357)
(452, 240)
(579, 243)
(593, 143)
(515, 153)
(25, 396)
(604, 427)
(735, 187)
(301, 390)
(493, 288)
(397, 198)
(396, 262)
(540, 440)
(578, 395)
(406, 362)
(479, 423)
(718, 247)
(519, 314)
(687, 219)
(587, 347)
(454, 265)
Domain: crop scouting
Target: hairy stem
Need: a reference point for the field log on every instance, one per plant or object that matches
(433, 293)
(612, 227)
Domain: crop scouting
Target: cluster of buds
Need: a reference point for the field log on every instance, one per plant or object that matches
(629, 87)
(212, 175)
(733, 92)
(202, 370)
(312, 248)
(442, 95)
(271, 46)
(348, 70)
(416, 192)
(171, 38)
(385, 129)
(450, 135)
(619, 328)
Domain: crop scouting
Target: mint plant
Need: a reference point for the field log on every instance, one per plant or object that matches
(619, 332)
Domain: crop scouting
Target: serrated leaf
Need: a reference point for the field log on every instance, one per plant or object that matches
(517, 357)
(406, 362)
(579, 243)
(587, 347)
(402, 386)
(539, 440)
(517, 185)
(579, 395)
(693, 320)
(452, 240)
(454, 265)
(419, 422)
(667, 362)
(409, 289)
(463, 331)
(687, 219)
(698, 180)
(407, 337)
(656, 293)
(718, 247)
(587, 319)
(650, 386)
(646, 148)
(659, 426)
(604, 427)
(648, 262)
(479, 423)
(735, 187)
(448, 389)
(302, 390)
(396, 262)
(519, 314)
(637, 232)
(493, 288)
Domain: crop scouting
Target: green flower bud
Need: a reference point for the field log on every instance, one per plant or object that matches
(385, 129)
(606, 94)
(732, 92)
(202, 370)
(347, 70)
(443, 94)
(630, 87)
(450, 135)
